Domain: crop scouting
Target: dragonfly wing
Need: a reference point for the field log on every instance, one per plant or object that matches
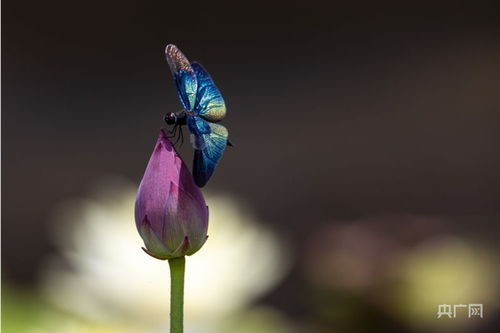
(184, 76)
(209, 103)
(209, 141)
(198, 128)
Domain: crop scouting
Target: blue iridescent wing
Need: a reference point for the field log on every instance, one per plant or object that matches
(209, 103)
(184, 76)
(209, 141)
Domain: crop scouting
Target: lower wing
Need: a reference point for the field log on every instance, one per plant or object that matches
(209, 148)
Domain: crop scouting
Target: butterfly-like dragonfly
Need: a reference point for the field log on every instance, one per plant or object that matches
(203, 106)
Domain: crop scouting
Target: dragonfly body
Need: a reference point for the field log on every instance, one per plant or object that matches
(203, 106)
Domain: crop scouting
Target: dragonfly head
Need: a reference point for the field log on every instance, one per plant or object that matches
(171, 118)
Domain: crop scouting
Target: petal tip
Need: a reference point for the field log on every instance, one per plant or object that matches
(152, 255)
(164, 141)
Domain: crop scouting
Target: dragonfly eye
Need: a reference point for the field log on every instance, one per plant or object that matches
(170, 118)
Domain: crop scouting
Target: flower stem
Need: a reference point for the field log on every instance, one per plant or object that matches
(177, 267)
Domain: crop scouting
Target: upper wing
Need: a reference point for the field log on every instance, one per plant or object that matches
(184, 76)
(209, 141)
(209, 103)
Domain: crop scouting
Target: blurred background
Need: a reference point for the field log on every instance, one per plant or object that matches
(362, 191)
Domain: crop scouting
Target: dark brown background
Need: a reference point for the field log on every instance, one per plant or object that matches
(337, 112)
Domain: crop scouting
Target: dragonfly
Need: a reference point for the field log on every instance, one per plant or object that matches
(203, 106)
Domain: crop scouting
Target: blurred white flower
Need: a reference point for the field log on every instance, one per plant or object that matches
(106, 277)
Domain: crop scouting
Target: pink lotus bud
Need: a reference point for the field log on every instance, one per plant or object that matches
(170, 212)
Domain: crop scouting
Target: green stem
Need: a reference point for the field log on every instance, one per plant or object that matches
(177, 267)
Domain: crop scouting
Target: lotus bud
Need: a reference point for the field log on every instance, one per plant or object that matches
(170, 211)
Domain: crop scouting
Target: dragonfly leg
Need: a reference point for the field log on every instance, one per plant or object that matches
(180, 136)
(172, 132)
